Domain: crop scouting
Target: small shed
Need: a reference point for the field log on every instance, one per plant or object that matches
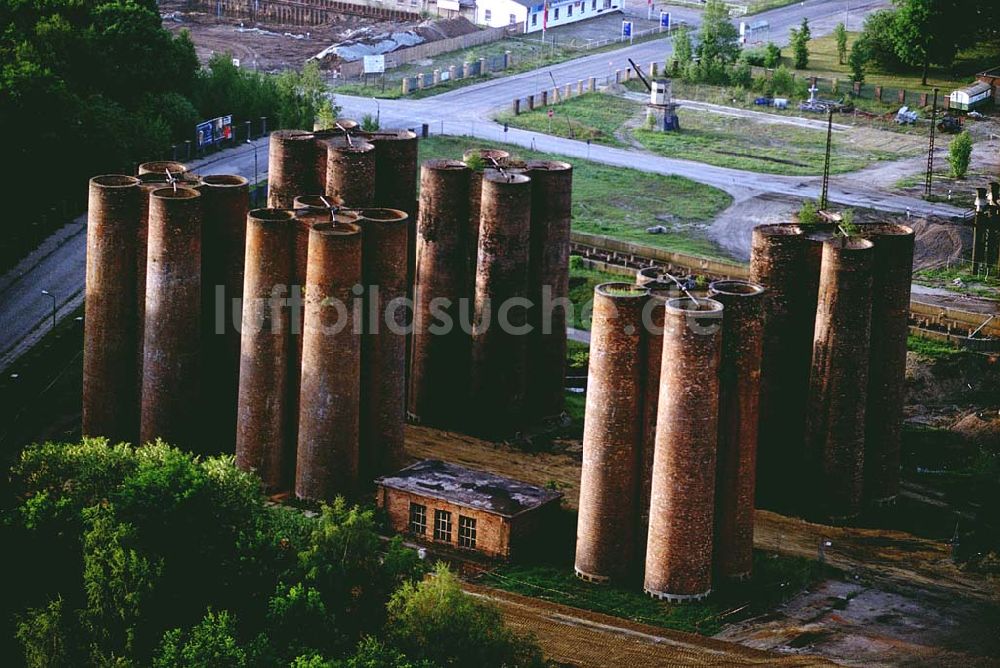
(443, 503)
(970, 97)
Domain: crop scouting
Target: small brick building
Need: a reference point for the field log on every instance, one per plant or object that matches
(438, 502)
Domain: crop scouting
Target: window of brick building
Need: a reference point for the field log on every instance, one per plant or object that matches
(418, 519)
(488, 16)
(442, 525)
(466, 532)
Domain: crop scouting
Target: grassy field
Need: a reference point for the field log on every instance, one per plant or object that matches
(761, 147)
(714, 139)
(823, 62)
(594, 116)
(775, 579)
(582, 282)
(622, 202)
(944, 277)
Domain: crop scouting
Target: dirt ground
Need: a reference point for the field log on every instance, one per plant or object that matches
(269, 48)
(574, 637)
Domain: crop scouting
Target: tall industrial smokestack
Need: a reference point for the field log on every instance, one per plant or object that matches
(110, 393)
(785, 260)
(162, 167)
(499, 346)
(291, 167)
(739, 386)
(262, 442)
(652, 342)
(679, 547)
(329, 401)
(605, 534)
(225, 201)
(835, 420)
(439, 368)
(171, 372)
(548, 282)
(310, 210)
(350, 171)
(480, 160)
(383, 345)
(892, 274)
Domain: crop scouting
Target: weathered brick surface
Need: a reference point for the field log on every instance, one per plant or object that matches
(475, 204)
(679, 547)
(291, 167)
(551, 213)
(439, 368)
(329, 401)
(493, 532)
(835, 421)
(499, 355)
(786, 262)
(383, 348)
(110, 392)
(265, 410)
(606, 527)
(350, 171)
(893, 268)
(739, 385)
(171, 371)
(225, 202)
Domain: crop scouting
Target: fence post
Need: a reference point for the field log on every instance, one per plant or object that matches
(406, 85)
(923, 100)
(901, 96)
(652, 69)
(618, 76)
(531, 103)
(506, 59)
(482, 67)
(878, 93)
(420, 81)
(516, 107)
(592, 84)
(451, 72)
(437, 76)
(579, 87)
(569, 91)
(466, 66)
(545, 98)
(857, 88)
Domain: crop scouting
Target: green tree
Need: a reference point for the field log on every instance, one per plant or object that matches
(960, 154)
(718, 39)
(683, 51)
(800, 45)
(929, 31)
(211, 643)
(857, 60)
(877, 40)
(804, 29)
(772, 55)
(840, 34)
(437, 621)
(782, 82)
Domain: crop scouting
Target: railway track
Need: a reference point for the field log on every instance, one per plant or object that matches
(965, 329)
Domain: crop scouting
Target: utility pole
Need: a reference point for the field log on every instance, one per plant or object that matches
(824, 195)
(930, 148)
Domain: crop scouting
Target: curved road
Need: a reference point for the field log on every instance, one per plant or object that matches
(58, 265)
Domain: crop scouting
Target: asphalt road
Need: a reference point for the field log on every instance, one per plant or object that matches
(59, 266)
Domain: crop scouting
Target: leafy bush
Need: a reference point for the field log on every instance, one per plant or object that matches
(772, 55)
(435, 620)
(756, 57)
(140, 556)
(960, 154)
(782, 81)
(808, 213)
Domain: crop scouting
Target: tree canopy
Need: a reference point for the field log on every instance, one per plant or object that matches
(153, 557)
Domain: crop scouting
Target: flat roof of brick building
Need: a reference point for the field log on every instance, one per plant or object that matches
(466, 487)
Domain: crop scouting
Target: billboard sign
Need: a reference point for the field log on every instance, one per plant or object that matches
(214, 131)
(626, 29)
(374, 64)
(665, 20)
